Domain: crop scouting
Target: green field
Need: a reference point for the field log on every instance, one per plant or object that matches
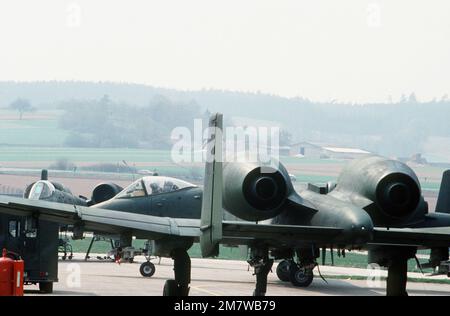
(46, 153)
(38, 138)
(297, 160)
(31, 131)
(305, 178)
(103, 247)
(141, 157)
(98, 155)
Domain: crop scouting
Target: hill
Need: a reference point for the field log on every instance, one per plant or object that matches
(399, 129)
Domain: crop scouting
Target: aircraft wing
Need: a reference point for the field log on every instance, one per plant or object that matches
(234, 232)
(155, 227)
(245, 233)
(101, 220)
(419, 237)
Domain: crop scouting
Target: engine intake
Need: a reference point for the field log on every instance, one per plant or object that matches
(104, 192)
(398, 194)
(253, 192)
(391, 185)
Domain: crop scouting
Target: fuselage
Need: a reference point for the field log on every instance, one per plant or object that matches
(158, 196)
(53, 192)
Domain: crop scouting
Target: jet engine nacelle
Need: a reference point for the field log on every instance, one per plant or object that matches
(391, 185)
(254, 192)
(104, 192)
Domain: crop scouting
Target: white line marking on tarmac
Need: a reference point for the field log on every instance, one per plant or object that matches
(198, 288)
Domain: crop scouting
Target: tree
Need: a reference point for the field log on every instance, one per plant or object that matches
(22, 106)
(403, 98)
(412, 98)
(63, 164)
(285, 138)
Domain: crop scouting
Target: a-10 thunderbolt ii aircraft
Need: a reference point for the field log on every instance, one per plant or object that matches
(47, 190)
(376, 205)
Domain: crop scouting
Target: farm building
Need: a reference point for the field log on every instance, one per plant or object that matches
(316, 151)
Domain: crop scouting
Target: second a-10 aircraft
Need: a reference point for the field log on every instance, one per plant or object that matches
(375, 205)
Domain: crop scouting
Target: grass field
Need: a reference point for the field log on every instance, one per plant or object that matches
(103, 247)
(35, 129)
(38, 139)
(161, 160)
(94, 155)
(46, 153)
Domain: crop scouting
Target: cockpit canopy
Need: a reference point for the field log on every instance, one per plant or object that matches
(41, 190)
(153, 185)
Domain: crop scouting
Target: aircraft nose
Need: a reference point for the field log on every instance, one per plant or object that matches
(360, 231)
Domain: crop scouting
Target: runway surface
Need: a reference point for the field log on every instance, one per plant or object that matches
(209, 277)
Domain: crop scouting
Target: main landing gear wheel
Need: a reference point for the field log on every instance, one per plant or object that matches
(300, 277)
(46, 287)
(147, 269)
(182, 269)
(283, 270)
(171, 288)
(397, 277)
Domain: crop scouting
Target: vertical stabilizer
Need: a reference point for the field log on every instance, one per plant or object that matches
(443, 202)
(44, 174)
(212, 213)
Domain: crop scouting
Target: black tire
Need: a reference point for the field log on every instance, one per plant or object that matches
(147, 269)
(170, 288)
(130, 260)
(300, 277)
(283, 270)
(184, 291)
(63, 258)
(46, 287)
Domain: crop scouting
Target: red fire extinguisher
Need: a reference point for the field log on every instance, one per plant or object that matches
(11, 276)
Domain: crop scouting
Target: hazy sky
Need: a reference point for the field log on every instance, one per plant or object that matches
(322, 49)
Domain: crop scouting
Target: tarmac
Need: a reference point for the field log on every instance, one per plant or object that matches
(217, 278)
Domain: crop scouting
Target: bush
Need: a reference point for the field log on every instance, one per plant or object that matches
(63, 164)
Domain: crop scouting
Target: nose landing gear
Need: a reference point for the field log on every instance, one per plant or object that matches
(147, 269)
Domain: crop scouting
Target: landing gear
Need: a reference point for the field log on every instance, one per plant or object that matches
(46, 287)
(147, 269)
(259, 260)
(396, 260)
(65, 248)
(300, 276)
(301, 272)
(94, 239)
(170, 288)
(182, 269)
(397, 277)
(283, 270)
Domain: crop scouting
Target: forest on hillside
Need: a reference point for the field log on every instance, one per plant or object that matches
(142, 116)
